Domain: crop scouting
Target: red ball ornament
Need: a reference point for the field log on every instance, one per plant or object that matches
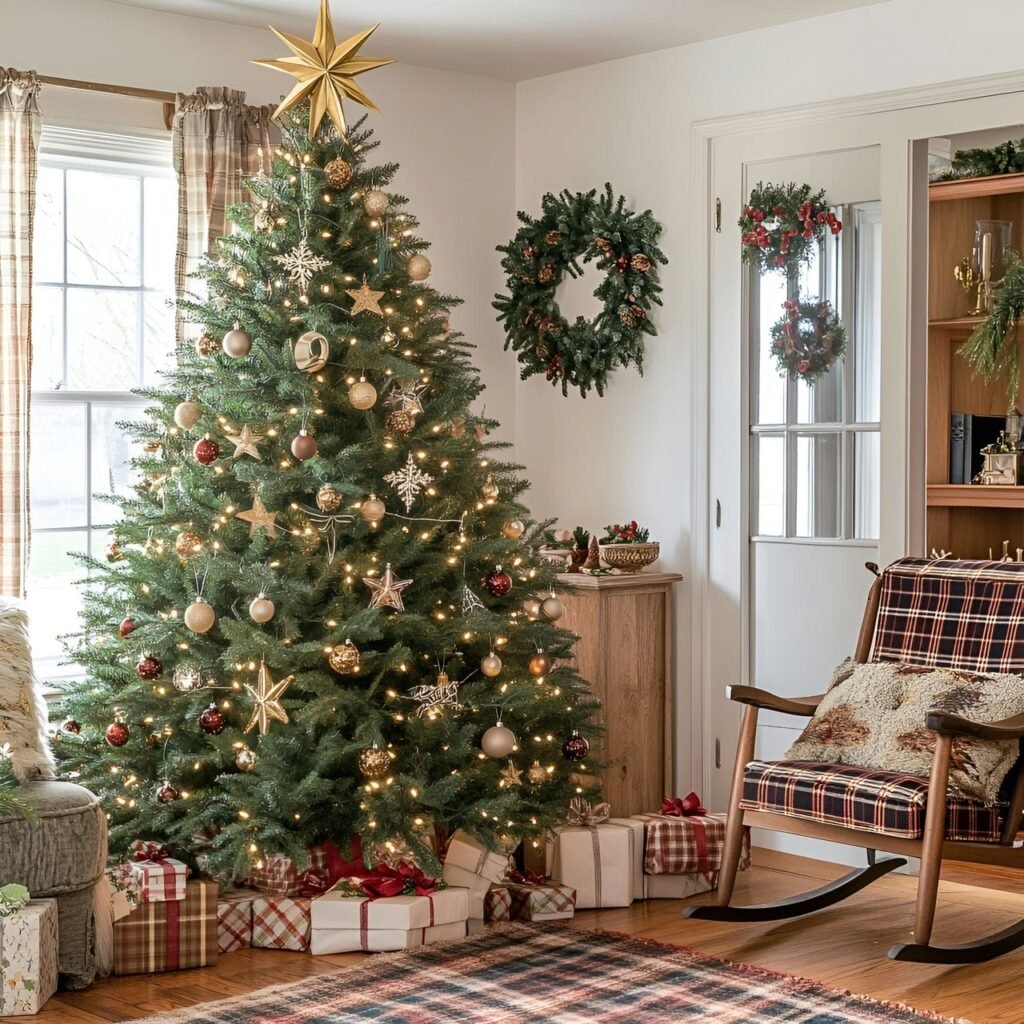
(576, 747)
(70, 725)
(206, 451)
(304, 447)
(117, 734)
(149, 667)
(499, 583)
(167, 794)
(128, 625)
(211, 720)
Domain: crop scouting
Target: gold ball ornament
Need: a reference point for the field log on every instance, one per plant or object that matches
(374, 762)
(498, 741)
(311, 352)
(375, 202)
(372, 510)
(200, 616)
(532, 608)
(536, 774)
(401, 421)
(187, 678)
(237, 342)
(328, 499)
(339, 173)
(207, 345)
(552, 608)
(245, 759)
(187, 544)
(114, 552)
(489, 489)
(418, 268)
(261, 608)
(540, 664)
(491, 665)
(304, 446)
(187, 414)
(362, 395)
(344, 658)
(389, 339)
(513, 530)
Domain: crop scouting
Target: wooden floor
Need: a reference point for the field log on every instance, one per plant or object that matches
(843, 947)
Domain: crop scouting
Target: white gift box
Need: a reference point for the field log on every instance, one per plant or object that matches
(28, 958)
(469, 854)
(599, 862)
(636, 829)
(678, 887)
(476, 887)
(375, 940)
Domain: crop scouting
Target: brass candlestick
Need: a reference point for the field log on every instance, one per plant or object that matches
(971, 281)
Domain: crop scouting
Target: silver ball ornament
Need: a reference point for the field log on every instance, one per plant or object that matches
(187, 414)
(532, 608)
(261, 609)
(200, 616)
(552, 608)
(187, 678)
(237, 342)
(498, 741)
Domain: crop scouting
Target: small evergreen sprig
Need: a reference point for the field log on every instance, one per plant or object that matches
(1006, 158)
(580, 538)
(12, 805)
(628, 533)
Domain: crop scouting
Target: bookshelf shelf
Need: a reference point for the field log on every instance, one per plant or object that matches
(955, 326)
(974, 496)
(973, 188)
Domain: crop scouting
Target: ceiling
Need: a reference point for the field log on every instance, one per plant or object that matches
(513, 39)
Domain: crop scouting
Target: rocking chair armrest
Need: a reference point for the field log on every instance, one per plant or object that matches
(953, 725)
(756, 698)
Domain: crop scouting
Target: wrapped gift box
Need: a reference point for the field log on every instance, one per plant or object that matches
(541, 901)
(28, 958)
(601, 861)
(497, 905)
(469, 854)
(279, 875)
(343, 922)
(281, 922)
(161, 878)
(234, 919)
(693, 843)
(125, 890)
(170, 935)
(477, 887)
(678, 887)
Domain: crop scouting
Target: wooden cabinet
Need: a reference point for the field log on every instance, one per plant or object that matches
(625, 651)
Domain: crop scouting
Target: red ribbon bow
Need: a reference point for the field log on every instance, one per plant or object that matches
(526, 877)
(682, 807)
(143, 850)
(385, 881)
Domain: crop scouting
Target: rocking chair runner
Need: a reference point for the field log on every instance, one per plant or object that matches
(953, 614)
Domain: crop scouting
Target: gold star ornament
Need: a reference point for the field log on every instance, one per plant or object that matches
(511, 775)
(259, 518)
(325, 71)
(365, 298)
(387, 591)
(266, 695)
(245, 442)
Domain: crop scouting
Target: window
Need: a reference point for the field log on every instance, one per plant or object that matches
(103, 275)
(816, 448)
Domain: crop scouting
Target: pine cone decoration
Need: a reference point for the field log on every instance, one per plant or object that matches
(603, 244)
(207, 345)
(546, 273)
(553, 237)
(626, 317)
(640, 262)
(339, 173)
(401, 422)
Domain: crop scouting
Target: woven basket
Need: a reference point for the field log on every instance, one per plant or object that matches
(630, 557)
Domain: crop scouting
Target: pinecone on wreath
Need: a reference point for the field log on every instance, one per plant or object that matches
(603, 244)
(626, 317)
(553, 237)
(640, 262)
(546, 273)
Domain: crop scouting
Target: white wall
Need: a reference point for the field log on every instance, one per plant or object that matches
(453, 134)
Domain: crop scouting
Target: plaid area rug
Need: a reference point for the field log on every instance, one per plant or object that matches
(549, 975)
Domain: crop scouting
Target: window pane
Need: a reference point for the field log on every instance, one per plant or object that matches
(161, 231)
(53, 603)
(769, 455)
(158, 337)
(867, 337)
(867, 451)
(817, 485)
(103, 228)
(822, 401)
(102, 328)
(57, 477)
(47, 337)
(48, 226)
(111, 452)
(770, 397)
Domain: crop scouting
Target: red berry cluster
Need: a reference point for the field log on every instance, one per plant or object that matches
(554, 370)
(630, 533)
(777, 233)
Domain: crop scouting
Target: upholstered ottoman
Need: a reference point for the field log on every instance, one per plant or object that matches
(60, 855)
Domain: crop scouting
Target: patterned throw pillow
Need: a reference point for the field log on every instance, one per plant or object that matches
(873, 717)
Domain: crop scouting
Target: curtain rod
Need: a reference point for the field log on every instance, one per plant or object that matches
(166, 98)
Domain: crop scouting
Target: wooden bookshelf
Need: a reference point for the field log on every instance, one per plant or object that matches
(966, 519)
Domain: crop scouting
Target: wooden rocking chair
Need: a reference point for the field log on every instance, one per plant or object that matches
(958, 614)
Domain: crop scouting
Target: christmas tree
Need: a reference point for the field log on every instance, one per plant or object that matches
(321, 615)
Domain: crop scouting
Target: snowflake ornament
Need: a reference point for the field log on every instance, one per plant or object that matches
(302, 263)
(470, 602)
(409, 481)
(433, 699)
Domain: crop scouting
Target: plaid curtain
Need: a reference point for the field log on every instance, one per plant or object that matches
(20, 125)
(217, 140)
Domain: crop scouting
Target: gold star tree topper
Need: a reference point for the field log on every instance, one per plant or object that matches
(325, 71)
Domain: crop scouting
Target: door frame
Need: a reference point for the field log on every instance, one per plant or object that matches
(899, 122)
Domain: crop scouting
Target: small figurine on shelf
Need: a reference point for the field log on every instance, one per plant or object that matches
(1004, 462)
(580, 547)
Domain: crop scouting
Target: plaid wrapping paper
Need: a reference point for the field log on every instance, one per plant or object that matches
(279, 875)
(952, 614)
(169, 936)
(886, 803)
(281, 922)
(687, 844)
(541, 901)
(497, 905)
(276, 875)
(234, 919)
(160, 881)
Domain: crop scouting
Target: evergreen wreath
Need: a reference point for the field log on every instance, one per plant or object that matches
(807, 339)
(992, 348)
(782, 225)
(575, 229)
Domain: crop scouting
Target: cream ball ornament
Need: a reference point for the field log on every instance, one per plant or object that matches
(261, 608)
(372, 510)
(513, 529)
(237, 342)
(552, 608)
(532, 608)
(328, 499)
(187, 414)
(418, 268)
(362, 394)
(375, 202)
(498, 741)
(245, 759)
(311, 352)
(200, 616)
(491, 665)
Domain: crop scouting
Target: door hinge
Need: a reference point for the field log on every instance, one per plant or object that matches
(718, 752)
(718, 215)
(718, 514)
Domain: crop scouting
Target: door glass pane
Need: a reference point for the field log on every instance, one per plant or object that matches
(867, 451)
(817, 485)
(770, 393)
(769, 458)
(53, 603)
(867, 334)
(822, 401)
(57, 477)
(111, 452)
(102, 329)
(47, 337)
(103, 228)
(48, 226)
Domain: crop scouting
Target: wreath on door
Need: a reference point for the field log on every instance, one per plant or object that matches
(575, 229)
(807, 339)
